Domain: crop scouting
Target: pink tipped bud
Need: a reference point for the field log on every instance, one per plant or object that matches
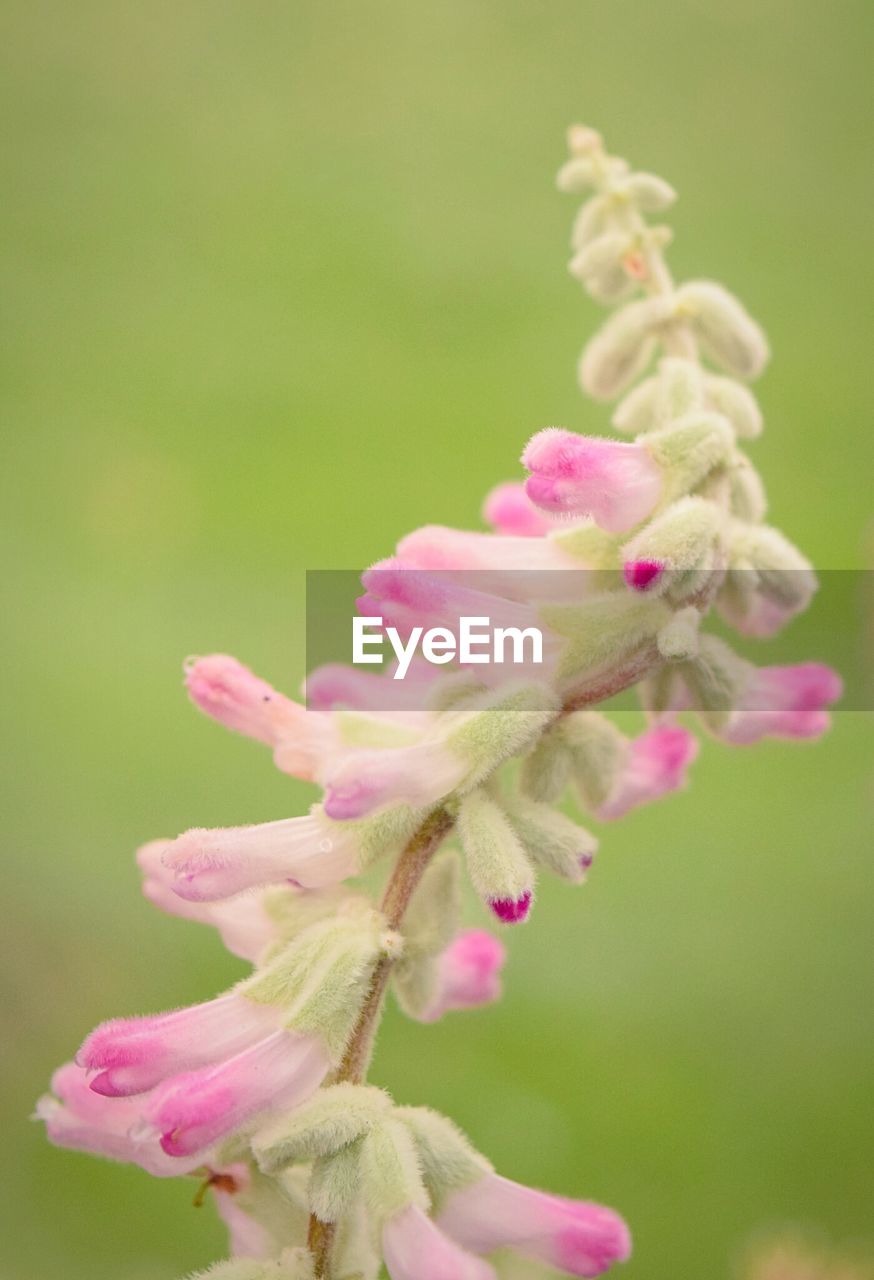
(468, 974)
(616, 483)
(640, 575)
(576, 1237)
(512, 910)
(509, 510)
(656, 764)
(785, 702)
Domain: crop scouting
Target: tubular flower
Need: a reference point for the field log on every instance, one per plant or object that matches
(617, 484)
(311, 852)
(577, 1238)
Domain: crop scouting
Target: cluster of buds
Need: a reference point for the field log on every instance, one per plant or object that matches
(616, 550)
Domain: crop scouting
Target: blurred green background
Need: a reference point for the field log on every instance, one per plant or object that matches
(282, 281)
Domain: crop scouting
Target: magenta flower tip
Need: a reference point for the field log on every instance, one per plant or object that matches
(512, 910)
(642, 574)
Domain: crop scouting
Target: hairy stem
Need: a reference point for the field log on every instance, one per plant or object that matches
(402, 884)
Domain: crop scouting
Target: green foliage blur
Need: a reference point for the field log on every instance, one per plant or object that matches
(281, 281)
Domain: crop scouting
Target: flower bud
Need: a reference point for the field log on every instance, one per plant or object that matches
(623, 347)
(737, 403)
(497, 864)
(592, 221)
(599, 267)
(747, 498)
(726, 332)
(576, 175)
(650, 193)
(552, 840)
(675, 554)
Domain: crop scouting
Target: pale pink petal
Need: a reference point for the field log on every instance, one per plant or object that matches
(81, 1120)
(509, 510)
(578, 1238)
(133, 1055)
(194, 1110)
(310, 851)
(229, 692)
(618, 484)
(656, 764)
(414, 1249)
(785, 702)
(468, 974)
(244, 926)
(367, 780)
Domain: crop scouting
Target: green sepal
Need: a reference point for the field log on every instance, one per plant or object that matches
(447, 1160)
(598, 751)
(335, 1182)
(604, 634)
(391, 1178)
(716, 679)
(332, 1119)
(688, 449)
(545, 771)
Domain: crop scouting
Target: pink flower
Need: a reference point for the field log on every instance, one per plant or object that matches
(509, 510)
(419, 597)
(367, 780)
(229, 692)
(437, 547)
(415, 1249)
(132, 1055)
(656, 764)
(784, 702)
(311, 851)
(245, 927)
(82, 1120)
(192, 1111)
(616, 483)
(578, 1238)
(336, 686)
(468, 974)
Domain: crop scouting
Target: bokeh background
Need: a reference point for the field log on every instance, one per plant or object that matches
(282, 281)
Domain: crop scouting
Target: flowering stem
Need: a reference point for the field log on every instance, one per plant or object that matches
(402, 884)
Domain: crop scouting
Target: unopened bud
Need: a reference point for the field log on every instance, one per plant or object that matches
(725, 330)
